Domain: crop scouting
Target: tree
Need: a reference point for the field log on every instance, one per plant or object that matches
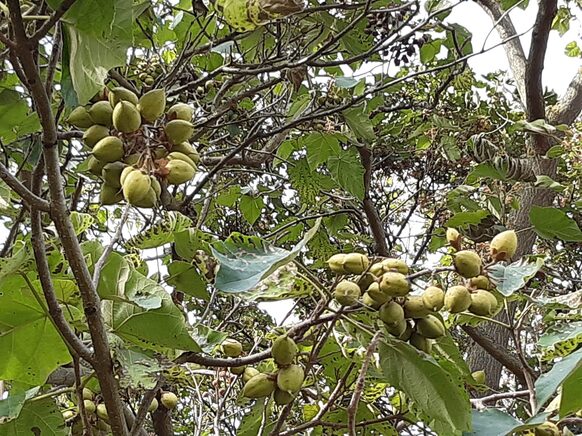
(168, 169)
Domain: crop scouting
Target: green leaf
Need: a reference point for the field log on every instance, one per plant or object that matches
(547, 384)
(359, 123)
(320, 146)
(138, 369)
(81, 222)
(207, 338)
(162, 232)
(188, 241)
(550, 223)
(40, 417)
(462, 219)
(16, 262)
(10, 408)
(571, 400)
(251, 207)
(143, 291)
(299, 105)
(246, 260)
(547, 182)
(283, 284)
(14, 113)
(427, 384)
(347, 170)
(345, 82)
(560, 333)
(573, 50)
(511, 278)
(485, 170)
(252, 421)
(185, 278)
(492, 422)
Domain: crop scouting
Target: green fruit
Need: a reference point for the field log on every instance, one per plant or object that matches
(503, 246)
(180, 111)
(365, 280)
(396, 265)
(169, 400)
(369, 301)
(480, 282)
(548, 428)
(176, 155)
(231, 348)
(405, 336)
(69, 414)
(101, 113)
(336, 263)
(397, 329)
(414, 307)
(125, 172)
(376, 269)
(89, 406)
(109, 149)
(102, 412)
(249, 373)
(149, 201)
(94, 134)
(178, 131)
(121, 94)
(179, 172)
(376, 294)
(467, 263)
(132, 159)
(88, 394)
(391, 313)
(136, 187)
(237, 370)
(103, 426)
(156, 187)
(284, 350)
(95, 166)
(420, 342)
(188, 150)
(457, 299)
(394, 284)
(110, 195)
(261, 385)
(433, 298)
(153, 405)
(453, 237)
(80, 118)
(282, 397)
(111, 173)
(355, 263)
(126, 117)
(290, 378)
(430, 327)
(152, 104)
(347, 293)
(481, 302)
(479, 377)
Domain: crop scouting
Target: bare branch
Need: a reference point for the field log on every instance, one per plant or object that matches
(480, 402)
(147, 399)
(31, 199)
(55, 17)
(569, 106)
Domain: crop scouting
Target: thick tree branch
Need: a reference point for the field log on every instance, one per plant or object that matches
(569, 106)
(31, 199)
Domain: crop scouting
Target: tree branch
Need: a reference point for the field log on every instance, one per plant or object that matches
(48, 24)
(31, 199)
(570, 105)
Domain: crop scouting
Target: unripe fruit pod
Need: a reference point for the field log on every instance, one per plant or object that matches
(261, 385)
(356, 263)
(176, 155)
(290, 378)
(454, 238)
(102, 412)
(101, 113)
(169, 400)
(153, 405)
(89, 406)
(336, 263)
(249, 373)
(347, 293)
(95, 166)
(479, 377)
(149, 201)
(391, 313)
(420, 342)
(548, 428)
(281, 397)
(405, 336)
(414, 307)
(152, 104)
(481, 302)
(180, 111)
(467, 263)
(111, 173)
(179, 172)
(121, 94)
(132, 159)
(365, 280)
(69, 414)
(503, 246)
(156, 187)
(457, 299)
(88, 394)
(376, 269)
(231, 347)
(284, 350)
(136, 186)
(188, 150)
(394, 284)
(396, 265)
(110, 195)
(237, 370)
(430, 327)
(397, 329)
(103, 426)
(126, 117)
(433, 298)
(94, 134)
(369, 301)
(125, 172)
(178, 131)
(80, 118)
(479, 282)
(109, 149)
(376, 294)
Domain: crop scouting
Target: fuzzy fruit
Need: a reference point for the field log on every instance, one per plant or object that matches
(249, 373)
(336, 263)
(454, 238)
(433, 298)
(169, 400)
(347, 293)
(430, 327)
(391, 313)
(101, 113)
(136, 187)
(121, 94)
(176, 155)
(284, 350)
(178, 131)
(153, 405)
(395, 265)
(95, 166)
(109, 149)
(355, 263)
(231, 348)
(149, 201)
(282, 397)
(89, 406)
(156, 187)
(376, 294)
(414, 307)
(394, 284)
(94, 134)
(369, 301)
(110, 195)
(365, 280)
(548, 428)
(457, 299)
(152, 104)
(376, 269)
(188, 150)
(88, 394)
(479, 377)
(180, 111)
(126, 172)
(80, 118)
(408, 330)
(102, 412)
(467, 263)
(261, 385)
(481, 302)
(179, 172)
(237, 370)
(111, 173)
(132, 159)
(480, 282)
(126, 117)
(290, 378)
(503, 246)
(398, 329)
(420, 342)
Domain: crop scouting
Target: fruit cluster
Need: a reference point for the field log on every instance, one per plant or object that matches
(414, 318)
(135, 147)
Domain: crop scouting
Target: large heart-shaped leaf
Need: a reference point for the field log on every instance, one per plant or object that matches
(40, 417)
(511, 278)
(550, 223)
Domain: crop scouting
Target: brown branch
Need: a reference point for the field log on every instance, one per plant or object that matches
(31, 199)
(480, 402)
(55, 17)
(87, 431)
(146, 401)
(569, 106)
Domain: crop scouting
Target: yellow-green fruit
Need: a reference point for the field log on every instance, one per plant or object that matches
(103, 426)
(149, 201)
(548, 428)
(467, 263)
(136, 186)
(101, 113)
(395, 265)
(365, 280)
(111, 173)
(152, 104)
(80, 118)
(89, 406)
(160, 152)
(249, 373)
(376, 294)
(391, 313)
(369, 301)
(503, 246)
(457, 299)
(169, 400)
(284, 350)
(95, 166)
(405, 336)
(479, 282)
(176, 155)
(394, 284)
(69, 414)
(479, 377)
(261, 385)
(126, 117)
(156, 187)
(237, 370)
(433, 298)
(398, 329)
(282, 397)
(109, 149)
(121, 94)
(376, 269)
(481, 302)
(179, 172)
(125, 172)
(178, 131)
(102, 412)
(453, 236)
(153, 405)
(414, 307)
(231, 348)
(420, 342)
(110, 195)
(188, 150)
(88, 394)
(356, 263)
(94, 134)
(132, 159)
(180, 111)
(347, 293)
(430, 327)
(336, 263)
(290, 378)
